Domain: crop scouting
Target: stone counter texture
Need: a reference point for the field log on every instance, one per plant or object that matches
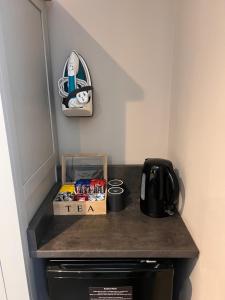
(125, 234)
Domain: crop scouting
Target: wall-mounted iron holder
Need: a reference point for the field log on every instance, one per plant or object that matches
(77, 102)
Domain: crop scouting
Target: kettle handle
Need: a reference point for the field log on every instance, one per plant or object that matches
(175, 189)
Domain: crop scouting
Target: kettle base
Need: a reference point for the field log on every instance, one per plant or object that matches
(155, 215)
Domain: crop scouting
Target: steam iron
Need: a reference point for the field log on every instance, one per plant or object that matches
(75, 87)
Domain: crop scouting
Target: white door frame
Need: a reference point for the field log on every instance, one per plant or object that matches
(11, 252)
(13, 275)
(2, 285)
(13, 272)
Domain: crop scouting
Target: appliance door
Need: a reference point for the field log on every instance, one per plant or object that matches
(109, 280)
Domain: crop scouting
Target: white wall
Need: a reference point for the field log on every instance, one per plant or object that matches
(197, 136)
(128, 48)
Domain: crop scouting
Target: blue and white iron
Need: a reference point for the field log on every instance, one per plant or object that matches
(75, 87)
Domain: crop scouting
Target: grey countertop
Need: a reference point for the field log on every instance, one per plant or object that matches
(124, 234)
(128, 233)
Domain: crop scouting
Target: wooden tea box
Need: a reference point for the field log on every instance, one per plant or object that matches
(81, 166)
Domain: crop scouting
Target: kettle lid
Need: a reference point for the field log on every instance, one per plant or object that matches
(158, 162)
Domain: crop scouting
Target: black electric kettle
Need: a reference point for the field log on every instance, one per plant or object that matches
(159, 188)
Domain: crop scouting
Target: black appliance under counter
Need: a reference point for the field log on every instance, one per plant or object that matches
(125, 234)
(110, 279)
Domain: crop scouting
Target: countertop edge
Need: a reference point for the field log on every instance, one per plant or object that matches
(115, 254)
